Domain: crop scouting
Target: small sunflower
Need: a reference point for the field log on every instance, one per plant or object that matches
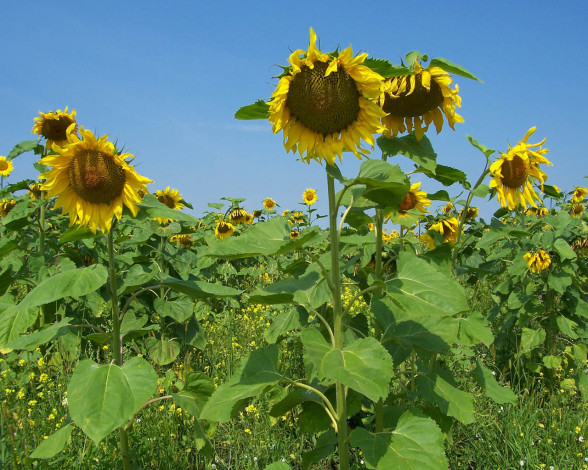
(6, 205)
(269, 203)
(448, 208)
(472, 213)
(285, 212)
(183, 240)
(576, 210)
(6, 166)
(35, 191)
(171, 198)
(55, 126)
(223, 229)
(92, 180)
(414, 199)
(579, 193)
(257, 214)
(238, 216)
(538, 262)
(297, 217)
(294, 234)
(249, 219)
(411, 102)
(511, 173)
(309, 196)
(446, 227)
(323, 104)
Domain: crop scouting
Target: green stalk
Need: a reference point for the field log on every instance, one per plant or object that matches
(337, 325)
(116, 337)
(377, 331)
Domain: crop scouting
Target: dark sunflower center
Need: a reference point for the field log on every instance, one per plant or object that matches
(167, 200)
(515, 172)
(323, 104)
(3, 165)
(56, 129)
(96, 177)
(408, 203)
(418, 103)
(223, 228)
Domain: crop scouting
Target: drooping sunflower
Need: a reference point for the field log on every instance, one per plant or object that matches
(578, 196)
(511, 173)
(257, 214)
(183, 240)
(294, 234)
(92, 180)
(223, 229)
(269, 203)
(6, 205)
(171, 198)
(576, 210)
(309, 196)
(447, 228)
(538, 262)
(411, 102)
(472, 213)
(55, 126)
(323, 104)
(249, 219)
(448, 208)
(35, 191)
(238, 216)
(6, 166)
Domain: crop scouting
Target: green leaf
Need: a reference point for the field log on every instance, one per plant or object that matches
(364, 365)
(192, 333)
(325, 446)
(567, 327)
(197, 390)
(530, 339)
(278, 466)
(102, 398)
(386, 68)
(199, 289)
(54, 444)
(258, 110)
(294, 318)
(162, 351)
(415, 444)
(559, 281)
(421, 288)
(152, 208)
(450, 67)
(450, 400)
(491, 387)
(385, 183)
(256, 373)
(564, 249)
(474, 328)
(445, 175)
(13, 322)
(39, 337)
(76, 233)
(485, 150)
(439, 196)
(552, 362)
(23, 147)
(421, 152)
(481, 191)
(180, 309)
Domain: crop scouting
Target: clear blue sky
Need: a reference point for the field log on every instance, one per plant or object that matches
(165, 79)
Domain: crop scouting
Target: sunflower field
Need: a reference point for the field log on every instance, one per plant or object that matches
(400, 330)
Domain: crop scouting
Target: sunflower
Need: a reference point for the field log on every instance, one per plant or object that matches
(249, 219)
(6, 205)
(414, 199)
(411, 102)
(322, 104)
(171, 198)
(538, 262)
(183, 240)
(294, 234)
(448, 208)
(511, 173)
(309, 196)
(285, 212)
(92, 180)
(577, 210)
(269, 203)
(446, 227)
(257, 214)
(56, 126)
(35, 191)
(6, 166)
(223, 229)
(579, 193)
(298, 217)
(472, 213)
(238, 216)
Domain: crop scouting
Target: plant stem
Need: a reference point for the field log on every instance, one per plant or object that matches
(337, 325)
(377, 331)
(116, 338)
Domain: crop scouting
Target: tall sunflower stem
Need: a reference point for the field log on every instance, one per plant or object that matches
(337, 325)
(116, 337)
(380, 276)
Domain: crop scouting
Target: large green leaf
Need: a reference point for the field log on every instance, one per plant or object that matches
(485, 150)
(198, 388)
(386, 184)
(421, 288)
(255, 374)
(325, 445)
(257, 110)
(450, 400)
(13, 322)
(162, 351)
(386, 68)
(564, 249)
(54, 444)
(102, 398)
(530, 339)
(152, 208)
(474, 329)
(23, 147)
(364, 365)
(39, 337)
(294, 318)
(445, 175)
(415, 444)
(180, 309)
(450, 67)
(199, 289)
(419, 151)
(491, 387)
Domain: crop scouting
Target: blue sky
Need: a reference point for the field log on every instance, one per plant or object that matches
(165, 79)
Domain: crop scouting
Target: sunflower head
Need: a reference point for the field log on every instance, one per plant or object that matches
(238, 216)
(6, 166)
(447, 208)
(223, 229)
(183, 240)
(420, 96)
(297, 217)
(294, 234)
(35, 191)
(171, 198)
(323, 105)
(511, 173)
(538, 262)
(257, 214)
(471, 214)
(579, 194)
(576, 210)
(6, 205)
(92, 180)
(309, 196)
(447, 228)
(55, 126)
(414, 199)
(269, 203)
